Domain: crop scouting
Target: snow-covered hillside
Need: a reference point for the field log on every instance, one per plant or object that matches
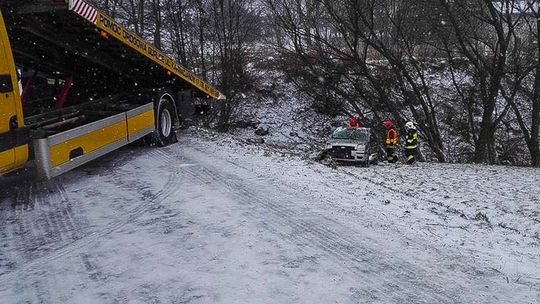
(285, 114)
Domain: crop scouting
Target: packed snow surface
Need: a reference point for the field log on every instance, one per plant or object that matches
(215, 220)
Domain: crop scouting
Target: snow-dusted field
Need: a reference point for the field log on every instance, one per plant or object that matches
(212, 220)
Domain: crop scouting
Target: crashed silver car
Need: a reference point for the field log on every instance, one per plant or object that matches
(351, 145)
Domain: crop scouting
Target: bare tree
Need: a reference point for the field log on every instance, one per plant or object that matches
(234, 27)
(483, 34)
(523, 82)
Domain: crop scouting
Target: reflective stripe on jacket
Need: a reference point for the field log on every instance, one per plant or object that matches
(411, 139)
(391, 137)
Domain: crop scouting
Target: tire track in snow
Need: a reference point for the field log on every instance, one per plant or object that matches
(360, 260)
(36, 221)
(147, 203)
(286, 223)
(54, 223)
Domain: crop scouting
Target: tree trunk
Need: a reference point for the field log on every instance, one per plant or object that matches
(202, 42)
(485, 146)
(156, 10)
(140, 18)
(535, 121)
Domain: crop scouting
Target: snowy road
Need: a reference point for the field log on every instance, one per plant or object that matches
(211, 220)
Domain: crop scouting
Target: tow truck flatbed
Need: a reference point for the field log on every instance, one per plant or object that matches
(114, 87)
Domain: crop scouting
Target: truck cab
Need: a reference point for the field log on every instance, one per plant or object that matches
(13, 135)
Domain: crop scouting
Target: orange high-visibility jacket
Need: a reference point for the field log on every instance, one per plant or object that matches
(391, 137)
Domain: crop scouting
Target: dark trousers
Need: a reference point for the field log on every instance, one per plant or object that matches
(391, 156)
(410, 154)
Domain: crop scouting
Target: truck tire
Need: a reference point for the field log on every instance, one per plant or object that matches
(165, 121)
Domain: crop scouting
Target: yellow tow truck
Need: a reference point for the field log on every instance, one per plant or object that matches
(75, 85)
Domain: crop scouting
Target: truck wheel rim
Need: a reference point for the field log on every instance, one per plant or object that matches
(166, 123)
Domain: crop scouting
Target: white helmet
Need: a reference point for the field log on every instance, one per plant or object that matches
(410, 125)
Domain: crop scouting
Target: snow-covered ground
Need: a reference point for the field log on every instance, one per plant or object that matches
(215, 220)
(286, 114)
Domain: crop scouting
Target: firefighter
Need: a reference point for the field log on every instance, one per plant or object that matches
(411, 142)
(354, 123)
(391, 141)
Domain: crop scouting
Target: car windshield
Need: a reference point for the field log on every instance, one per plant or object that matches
(352, 134)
